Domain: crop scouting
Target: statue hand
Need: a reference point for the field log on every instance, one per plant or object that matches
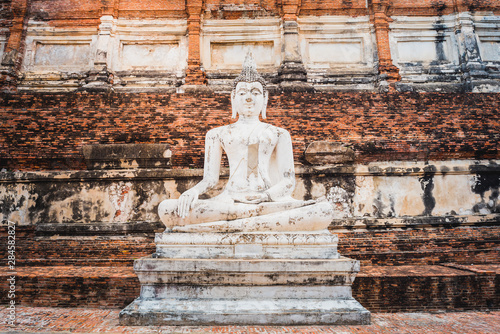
(254, 198)
(186, 202)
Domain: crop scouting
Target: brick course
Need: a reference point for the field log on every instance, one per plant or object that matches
(379, 289)
(414, 270)
(47, 131)
(476, 245)
(425, 288)
(422, 246)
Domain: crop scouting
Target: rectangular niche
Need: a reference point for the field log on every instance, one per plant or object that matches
(487, 29)
(339, 44)
(490, 48)
(336, 52)
(424, 41)
(144, 46)
(59, 54)
(52, 50)
(424, 51)
(153, 56)
(232, 55)
(225, 43)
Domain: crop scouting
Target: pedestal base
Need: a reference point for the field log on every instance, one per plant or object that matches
(248, 311)
(249, 280)
(258, 245)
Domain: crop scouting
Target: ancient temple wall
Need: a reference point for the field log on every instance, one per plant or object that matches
(376, 45)
(444, 51)
(149, 53)
(57, 58)
(414, 156)
(74, 73)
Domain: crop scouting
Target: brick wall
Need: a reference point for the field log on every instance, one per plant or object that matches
(379, 289)
(62, 10)
(411, 272)
(439, 7)
(390, 248)
(60, 13)
(116, 251)
(47, 131)
(68, 286)
(422, 246)
(425, 288)
(223, 9)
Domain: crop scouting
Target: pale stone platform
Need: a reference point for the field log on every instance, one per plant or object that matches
(245, 279)
(269, 245)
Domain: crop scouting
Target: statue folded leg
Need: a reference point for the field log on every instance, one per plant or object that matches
(214, 216)
(219, 209)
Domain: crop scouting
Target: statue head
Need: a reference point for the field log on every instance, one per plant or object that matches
(249, 93)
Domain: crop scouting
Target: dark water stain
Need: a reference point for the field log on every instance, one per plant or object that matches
(486, 178)
(8, 204)
(427, 185)
(184, 184)
(444, 170)
(378, 206)
(392, 212)
(308, 187)
(439, 26)
(440, 40)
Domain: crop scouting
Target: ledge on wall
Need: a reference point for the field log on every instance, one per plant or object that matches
(328, 153)
(136, 228)
(408, 223)
(126, 156)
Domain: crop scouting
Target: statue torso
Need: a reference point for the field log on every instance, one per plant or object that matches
(249, 149)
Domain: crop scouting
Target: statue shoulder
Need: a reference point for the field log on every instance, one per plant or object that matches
(280, 132)
(217, 132)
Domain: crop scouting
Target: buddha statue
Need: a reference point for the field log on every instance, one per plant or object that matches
(257, 196)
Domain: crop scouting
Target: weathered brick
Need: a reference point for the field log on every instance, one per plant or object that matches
(47, 131)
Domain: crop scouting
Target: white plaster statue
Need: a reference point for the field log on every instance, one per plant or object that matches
(257, 196)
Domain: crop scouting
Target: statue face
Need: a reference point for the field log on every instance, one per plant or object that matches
(249, 99)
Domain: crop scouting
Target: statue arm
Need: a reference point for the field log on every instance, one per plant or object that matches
(213, 155)
(284, 159)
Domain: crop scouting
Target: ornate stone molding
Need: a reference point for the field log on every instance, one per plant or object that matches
(445, 53)
(57, 59)
(226, 42)
(272, 245)
(267, 238)
(338, 52)
(149, 54)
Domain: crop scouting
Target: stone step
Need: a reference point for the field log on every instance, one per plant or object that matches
(249, 311)
(378, 288)
(246, 291)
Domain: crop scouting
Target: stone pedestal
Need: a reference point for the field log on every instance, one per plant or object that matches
(245, 279)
